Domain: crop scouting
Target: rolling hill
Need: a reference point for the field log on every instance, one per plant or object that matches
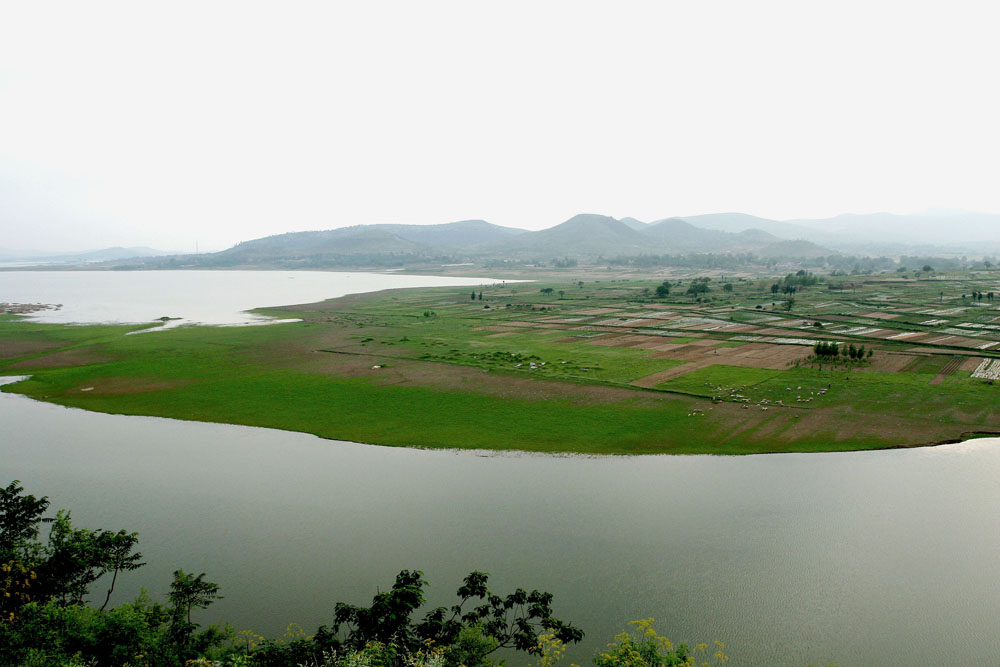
(586, 234)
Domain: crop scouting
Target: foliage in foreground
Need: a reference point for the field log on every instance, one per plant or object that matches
(45, 621)
(644, 647)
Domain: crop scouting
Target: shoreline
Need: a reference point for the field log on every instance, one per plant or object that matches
(571, 368)
(967, 436)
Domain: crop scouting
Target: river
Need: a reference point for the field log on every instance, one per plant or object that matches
(866, 558)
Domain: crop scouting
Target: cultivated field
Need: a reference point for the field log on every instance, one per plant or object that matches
(592, 366)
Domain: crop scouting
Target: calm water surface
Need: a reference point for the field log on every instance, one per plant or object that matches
(868, 558)
(872, 558)
(203, 297)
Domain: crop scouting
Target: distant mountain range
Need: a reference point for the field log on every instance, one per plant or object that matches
(589, 236)
(876, 233)
(584, 237)
(376, 239)
(103, 255)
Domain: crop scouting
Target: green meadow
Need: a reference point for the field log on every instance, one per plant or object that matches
(561, 371)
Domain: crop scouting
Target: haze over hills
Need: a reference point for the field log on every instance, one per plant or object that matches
(584, 237)
(943, 228)
(584, 234)
(948, 231)
(367, 239)
(587, 237)
(102, 255)
(683, 236)
(740, 222)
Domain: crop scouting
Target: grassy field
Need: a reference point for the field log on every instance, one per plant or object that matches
(598, 367)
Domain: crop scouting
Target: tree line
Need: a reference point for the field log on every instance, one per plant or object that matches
(45, 620)
(830, 351)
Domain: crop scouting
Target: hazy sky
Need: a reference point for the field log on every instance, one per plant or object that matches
(171, 123)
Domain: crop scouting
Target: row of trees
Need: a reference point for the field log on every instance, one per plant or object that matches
(827, 350)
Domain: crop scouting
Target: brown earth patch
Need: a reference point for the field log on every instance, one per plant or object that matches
(643, 322)
(73, 357)
(633, 339)
(776, 361)
(751, 355)
(843, 423)
(890, 362)
(948, 369)
(114, 386)
(650, 343)
(970, 364)
(12, 349)
(966, 342)
(940, 340)
(305, 356)
(452, 377)
(493, 327)
(596, 311)
(655, 379)
(781, 333)
(521, 324)
(609, 340)
(685, 352)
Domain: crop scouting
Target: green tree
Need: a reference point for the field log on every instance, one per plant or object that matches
(20, 516)
(119, 554)
(698, 287)
(646, 648)
(73, 561)
(663, 290)
(188, 591)
(513, 621)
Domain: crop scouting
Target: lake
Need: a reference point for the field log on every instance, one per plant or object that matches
(195, 297)
(866, 558)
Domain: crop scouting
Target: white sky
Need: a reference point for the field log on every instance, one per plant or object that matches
(163, 124)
